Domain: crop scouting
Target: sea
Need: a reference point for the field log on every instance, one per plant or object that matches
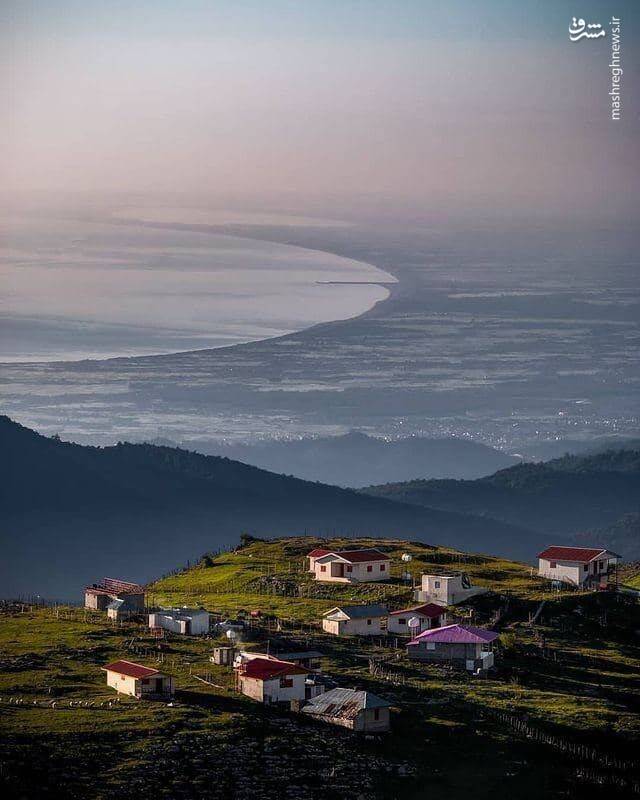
(74, 289)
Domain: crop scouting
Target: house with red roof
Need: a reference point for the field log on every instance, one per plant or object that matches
(136, 680)
(578, 566)
(317, 552)
(269, 680)
(412, 621)
(460, 645)
(349, 566)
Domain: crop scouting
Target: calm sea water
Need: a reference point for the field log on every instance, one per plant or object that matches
(74, 290)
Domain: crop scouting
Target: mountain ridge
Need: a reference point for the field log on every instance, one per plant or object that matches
(560, 498)
(71, 513)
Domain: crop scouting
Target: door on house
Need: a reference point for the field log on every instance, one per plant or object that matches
(187, 627)
(159, 686)
(338, 570)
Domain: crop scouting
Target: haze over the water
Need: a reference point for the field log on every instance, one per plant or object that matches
(376, 106)
(467, 145)
(75, 289)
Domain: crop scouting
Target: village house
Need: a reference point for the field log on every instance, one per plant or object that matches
(136, 680)
(306, 658)
(359, 711)
(315, 682)
(414, 620)
(356, 620)
(578, 566)
(186, 621)
(349, 566)
(224, 656)
(117, 598)
(460, 645)
(270, 680)
(447, 590)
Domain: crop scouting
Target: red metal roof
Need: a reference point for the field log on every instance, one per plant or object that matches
(264, 668)
(318, 552)
(130, 669)
(430, 610)
(357, 556)
(581, 554)
(363, 555)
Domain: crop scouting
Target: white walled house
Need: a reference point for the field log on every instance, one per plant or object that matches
(136, 680)
(185, 621)
(350, 566)
(318, 552)
(578, 566)
(269, 680)
(428, 615)
(118, 598)
(447, 590)
(356, 620)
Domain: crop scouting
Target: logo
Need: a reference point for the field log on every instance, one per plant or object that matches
(579, 29)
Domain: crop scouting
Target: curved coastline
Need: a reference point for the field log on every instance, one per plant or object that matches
(380, 279)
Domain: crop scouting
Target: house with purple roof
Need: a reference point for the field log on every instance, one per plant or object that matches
(460, 645)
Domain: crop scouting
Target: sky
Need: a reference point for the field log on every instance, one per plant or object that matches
(468, 106)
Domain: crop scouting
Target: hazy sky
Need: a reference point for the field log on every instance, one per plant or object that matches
(425, 104)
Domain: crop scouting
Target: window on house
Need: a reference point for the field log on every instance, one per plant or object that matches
(436, 584)
(383, 567)
(402, 621)
(376, 713)
(553, 564)
(323, 568)
(586, 568)
(349, 568)
(286, 683)
(601, 565)
(369, 568)
(431, 645)
(369, 621)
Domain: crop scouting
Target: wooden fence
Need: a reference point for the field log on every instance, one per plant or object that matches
(575, 749)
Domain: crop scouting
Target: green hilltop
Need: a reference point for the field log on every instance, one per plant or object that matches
(271, 575)
(564, 688)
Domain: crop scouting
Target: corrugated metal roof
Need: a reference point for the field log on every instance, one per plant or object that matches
(360, 612)
(114, 586)
(346, 703)
(358, 556)
(456, 634)
(130, 669)
(265, 668)
(297, 656)
(581, 554)
(430, 610)
(184, 612)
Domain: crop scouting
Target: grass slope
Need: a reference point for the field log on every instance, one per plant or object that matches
(446, 735)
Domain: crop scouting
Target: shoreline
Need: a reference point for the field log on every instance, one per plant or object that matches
(386, 282)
